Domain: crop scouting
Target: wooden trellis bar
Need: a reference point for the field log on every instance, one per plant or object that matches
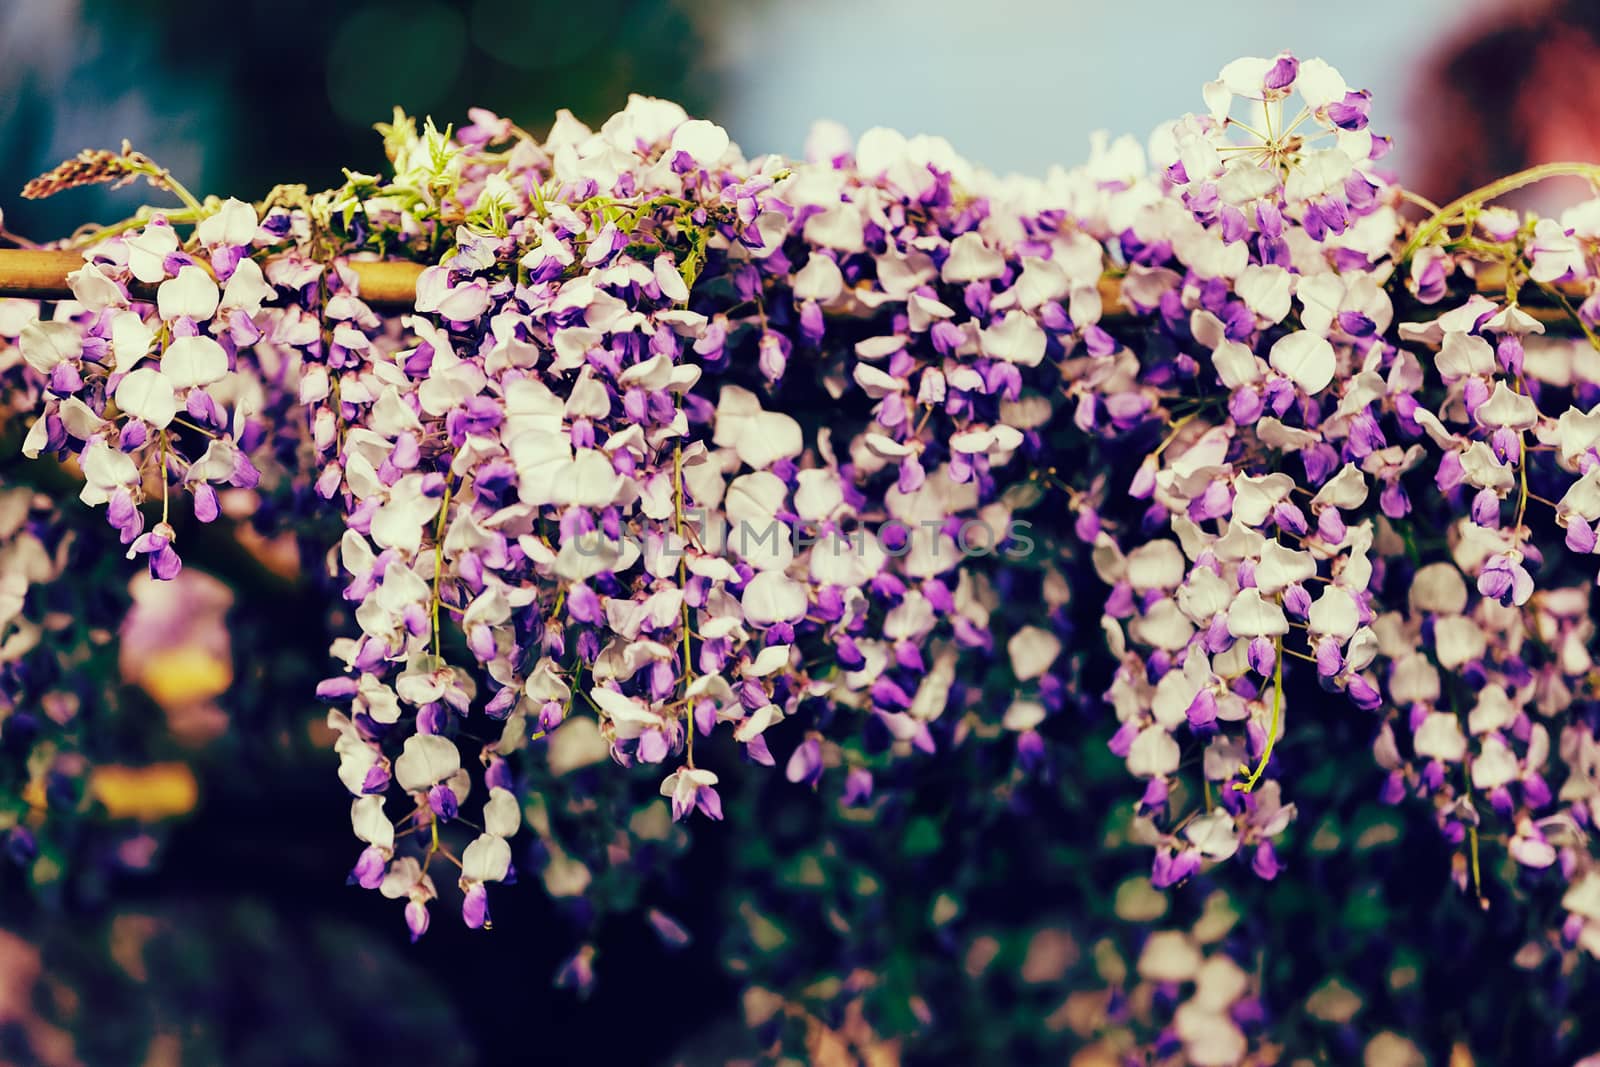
(41, 274)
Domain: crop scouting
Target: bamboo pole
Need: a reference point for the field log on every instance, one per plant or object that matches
(37, 274)
(41, 274)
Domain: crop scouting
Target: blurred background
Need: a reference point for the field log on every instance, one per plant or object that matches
(236, 939)
(238, 98)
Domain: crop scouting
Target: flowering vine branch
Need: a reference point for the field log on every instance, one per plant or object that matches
(1259, 400)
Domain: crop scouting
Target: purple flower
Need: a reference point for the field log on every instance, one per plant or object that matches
(1505, 579)
(416, 918)
(805, 764)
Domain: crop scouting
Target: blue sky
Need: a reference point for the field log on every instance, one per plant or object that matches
(1018, 85)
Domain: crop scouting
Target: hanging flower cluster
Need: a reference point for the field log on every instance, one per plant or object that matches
(693, 460)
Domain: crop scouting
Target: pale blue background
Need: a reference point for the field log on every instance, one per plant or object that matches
(1018, 85)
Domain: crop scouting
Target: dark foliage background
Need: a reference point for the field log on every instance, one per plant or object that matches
(237, 98)
(251, 944)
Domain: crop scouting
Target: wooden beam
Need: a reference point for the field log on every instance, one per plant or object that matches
(41, 274)
(37, 274)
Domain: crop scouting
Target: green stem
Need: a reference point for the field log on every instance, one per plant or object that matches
(1493, 191)
(139, 219)
(178, 190)
(1277, 712)
(683, 577)
(438, 563)
(1572, 313)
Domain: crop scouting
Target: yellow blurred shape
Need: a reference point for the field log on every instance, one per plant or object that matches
(184, 675)
(158, 791)
(280, 555)
(1097, 1055)
(1050, 952)
(130, 933)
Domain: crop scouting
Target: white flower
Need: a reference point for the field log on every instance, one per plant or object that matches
(405, 877)
(705, 142)
(1282, 567)
(1507, 408)
(45, 344)
(1483, 469)
(1584, 897)
(1214, 834)
(1318, 173)
(95, 291)
(755, 498)
(1032, 650)
(1334, 613)
(839, 227)
(1583, 498)
(105, 470)
(818, 495)
(377, 700)
(246, 288)
(148, 251)
(630, 713)
(130, 339)
(426, 760)
(191, 361)
(1163, 626)
(771, 598)
(1305, 359)
(486, 859)
(1576, 433)
(996, 440)
(683, 787)
(1345, 490)
(1266, 291)
(1458, 640)
(1440, 737)
(820, 280)
(542, 459)
(670, 282)
(356, 758)
(1169, 956)
(1041, 281)
(1493, 711)
(1252, 616)
(1413, 680)
(1154, 754)
(760, 438)
(589, 480)
(1554, 253)
(1156, 565)
(1494, 766)
(1177, 690)
(1256, 495)
(147, 394)
(1439, 588)
(1236, 364)
(971, 260)
(769, 661)
(399, 521)
(370, 823)
(192, 294)
(233, 224)
(1464, 354)
(1023, 715)
(1017, 339)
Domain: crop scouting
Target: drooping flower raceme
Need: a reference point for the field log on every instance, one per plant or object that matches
(688, 459)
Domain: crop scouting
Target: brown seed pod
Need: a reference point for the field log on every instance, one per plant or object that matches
(95, 166)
